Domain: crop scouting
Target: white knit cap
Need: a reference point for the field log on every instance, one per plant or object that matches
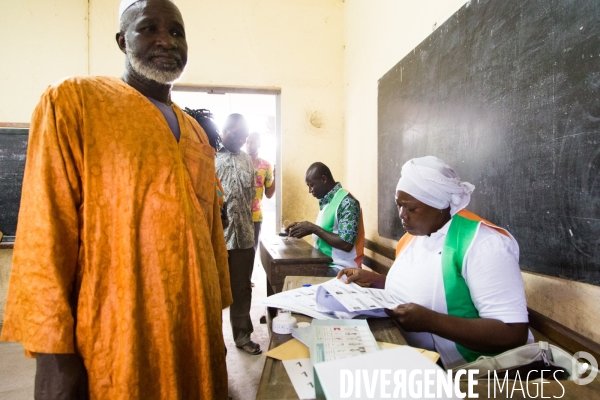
(124, 5)
(431, 181)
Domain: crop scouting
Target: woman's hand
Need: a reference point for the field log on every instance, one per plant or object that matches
(484, 335)
(363, 278)
(413, 317)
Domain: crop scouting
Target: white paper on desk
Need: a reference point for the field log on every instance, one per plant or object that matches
(400, 358)
(301, 374)
(355, 298)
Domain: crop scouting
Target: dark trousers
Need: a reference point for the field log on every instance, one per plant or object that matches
(241, 263)
(257, 226)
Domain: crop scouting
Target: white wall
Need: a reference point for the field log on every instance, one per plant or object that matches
(378, 35)
(42, 42)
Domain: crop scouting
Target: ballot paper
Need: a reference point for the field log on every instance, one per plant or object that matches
(301, 332)
(334, 340)
(335, 295)
(301, 300)
(301, 374)
(333, 299)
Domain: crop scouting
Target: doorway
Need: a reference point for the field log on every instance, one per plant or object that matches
(261, 110)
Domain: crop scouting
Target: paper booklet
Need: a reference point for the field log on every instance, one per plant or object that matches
(333, 299)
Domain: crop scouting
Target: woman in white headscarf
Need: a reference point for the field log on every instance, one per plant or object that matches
(456, 276)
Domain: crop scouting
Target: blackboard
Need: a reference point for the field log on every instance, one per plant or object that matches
(508, 93)
(13, 150)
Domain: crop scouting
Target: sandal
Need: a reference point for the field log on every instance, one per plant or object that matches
(251, 348)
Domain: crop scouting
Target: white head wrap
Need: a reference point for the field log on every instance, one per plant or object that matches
(431, 181)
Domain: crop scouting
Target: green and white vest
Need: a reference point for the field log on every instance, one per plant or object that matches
(327, 219)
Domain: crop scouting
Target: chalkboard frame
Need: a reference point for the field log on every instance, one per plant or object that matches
(11, 174)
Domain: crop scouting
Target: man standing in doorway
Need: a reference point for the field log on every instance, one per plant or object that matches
(120, 269)
(264, 182)
(338, 231)
(236, 173)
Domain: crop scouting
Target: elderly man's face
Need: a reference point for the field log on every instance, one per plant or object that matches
(155, 40)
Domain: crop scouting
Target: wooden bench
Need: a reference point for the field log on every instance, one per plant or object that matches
(542, 327)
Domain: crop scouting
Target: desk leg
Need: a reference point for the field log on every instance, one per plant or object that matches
(272, 311)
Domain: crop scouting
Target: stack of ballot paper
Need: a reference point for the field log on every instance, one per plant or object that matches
(302, 333)
(333, 299)
(328, 341)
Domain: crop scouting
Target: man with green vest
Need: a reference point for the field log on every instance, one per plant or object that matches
(338, 231)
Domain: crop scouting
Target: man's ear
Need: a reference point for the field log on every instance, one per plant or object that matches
(323, 179)
(120, 37)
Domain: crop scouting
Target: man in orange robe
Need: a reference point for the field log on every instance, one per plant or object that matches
(119, 258)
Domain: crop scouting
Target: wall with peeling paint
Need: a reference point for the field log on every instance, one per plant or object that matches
(377, 36)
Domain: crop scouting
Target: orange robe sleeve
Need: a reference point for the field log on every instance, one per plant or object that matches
(38, 309)
(220, 250)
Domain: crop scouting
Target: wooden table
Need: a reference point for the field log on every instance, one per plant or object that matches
(283, 256)
(274, 381)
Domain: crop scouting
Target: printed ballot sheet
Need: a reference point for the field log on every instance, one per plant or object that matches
(336, 295)
(301, 300)
(333, 299)
(301, 374)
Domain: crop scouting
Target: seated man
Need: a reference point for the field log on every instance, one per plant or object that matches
(338, 231)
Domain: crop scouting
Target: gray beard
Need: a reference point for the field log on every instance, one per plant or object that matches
(143, 68)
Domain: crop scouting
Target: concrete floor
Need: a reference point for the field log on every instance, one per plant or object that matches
(17, 371)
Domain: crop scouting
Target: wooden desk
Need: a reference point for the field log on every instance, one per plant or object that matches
(281, 257)
(274, 381)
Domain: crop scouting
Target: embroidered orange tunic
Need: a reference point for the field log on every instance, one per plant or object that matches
(119, 252)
